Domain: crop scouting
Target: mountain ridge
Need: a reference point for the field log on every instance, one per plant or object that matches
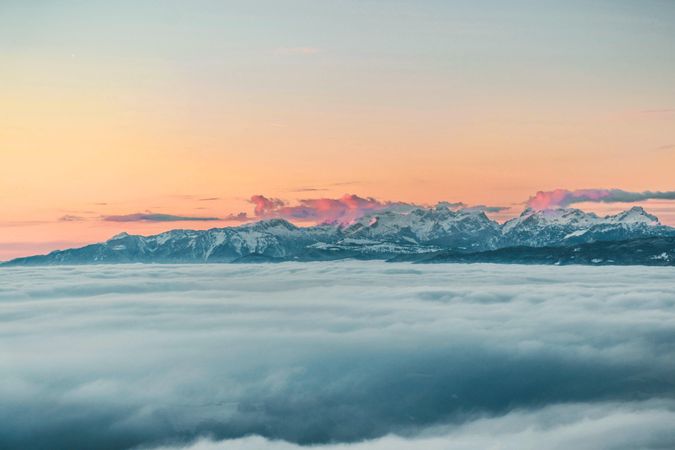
(377, 235)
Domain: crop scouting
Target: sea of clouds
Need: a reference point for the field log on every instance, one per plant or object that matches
(340, 355)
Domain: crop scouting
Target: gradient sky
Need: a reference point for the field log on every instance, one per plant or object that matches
(189, 108)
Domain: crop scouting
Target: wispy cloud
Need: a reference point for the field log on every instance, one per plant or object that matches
(323, 187)
(344, 183)
(487, 208)
(308, 189)
(563, 197)
(465, 207)
(240, 217)
(156, 217)
(71, 218)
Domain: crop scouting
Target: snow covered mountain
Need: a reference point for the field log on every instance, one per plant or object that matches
(380, 235)
(274, 238)
(439, 227)
(390, 233)
(572, 226)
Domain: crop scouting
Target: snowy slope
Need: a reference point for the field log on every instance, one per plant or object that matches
(572, 226)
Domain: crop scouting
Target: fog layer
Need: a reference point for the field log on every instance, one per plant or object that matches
(370, 355)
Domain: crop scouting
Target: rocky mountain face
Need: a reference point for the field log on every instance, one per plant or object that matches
(275, 238)
(439, 227)
(381, 235)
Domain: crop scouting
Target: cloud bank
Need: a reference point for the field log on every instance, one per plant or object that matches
(560, 198)
(323, 210)
(578, 426)
(369, 355)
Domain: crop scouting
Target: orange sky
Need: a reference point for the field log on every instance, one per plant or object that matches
(110, 111)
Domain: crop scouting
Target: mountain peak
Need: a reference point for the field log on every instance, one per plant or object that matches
(551, 217)
(635, 214)
(121, 235)
(270, 223)
(563, 215)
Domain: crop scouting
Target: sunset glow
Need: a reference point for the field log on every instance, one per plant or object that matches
(119, 109)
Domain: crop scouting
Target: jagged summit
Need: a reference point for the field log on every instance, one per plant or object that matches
(438, 226)
(121, 235)
(557, 216)
(636, 214)
(268, 224)
(564, 226)
(560, 215)
(381, 234)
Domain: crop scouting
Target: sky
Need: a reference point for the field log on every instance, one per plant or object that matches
(160, 112)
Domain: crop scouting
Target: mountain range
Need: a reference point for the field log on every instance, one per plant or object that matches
(438, 234)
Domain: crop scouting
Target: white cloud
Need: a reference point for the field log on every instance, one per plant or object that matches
(576, 426)
(384, 354)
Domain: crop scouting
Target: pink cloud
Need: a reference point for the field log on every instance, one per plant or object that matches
(563, 197)
(321, 210)
(264, 205)
(560, 198)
